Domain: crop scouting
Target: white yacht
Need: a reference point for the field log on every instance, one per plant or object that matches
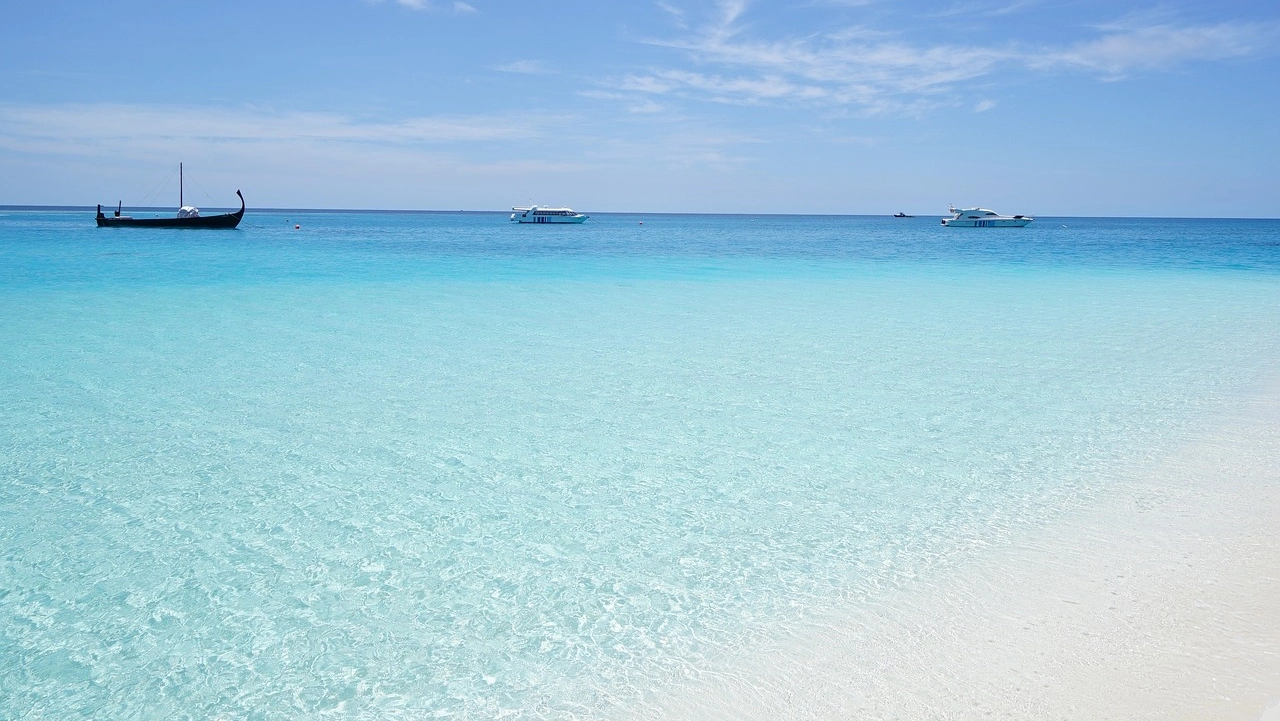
(983, 218)
(535, 214)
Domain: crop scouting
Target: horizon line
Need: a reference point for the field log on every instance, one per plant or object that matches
(92, 208)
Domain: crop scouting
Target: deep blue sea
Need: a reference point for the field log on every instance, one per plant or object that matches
(421, 465)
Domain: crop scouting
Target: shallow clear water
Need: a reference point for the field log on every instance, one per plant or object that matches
(418, 465)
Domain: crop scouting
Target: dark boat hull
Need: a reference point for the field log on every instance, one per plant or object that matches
(226, 220)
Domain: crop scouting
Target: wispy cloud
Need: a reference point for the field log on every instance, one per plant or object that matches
(983, 9)
(842, 3)
(644, 107)
(823, 71)
(457, 7)
(677, 14)
(1125, 50)
(682, 147)
(984, 105)
(872, 70)
(738, 90)
(524, 67)
(109, 126)
(730, 11)
(637, 105)
(1013, 7)
(308, 158)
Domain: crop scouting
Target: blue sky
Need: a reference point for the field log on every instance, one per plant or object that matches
(826, 106)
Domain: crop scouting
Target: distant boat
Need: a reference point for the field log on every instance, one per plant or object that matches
(187, 217)
(902, 215)
(535, 214)
(983, 218)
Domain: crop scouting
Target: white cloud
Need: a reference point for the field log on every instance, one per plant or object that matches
(632, 103)
(524, 67)
(1158, 47)
(843, 3)
(875, 71)
(108, 126)
(984, 105)
(983, 9)
(730, 11)
(732, 89)
(676, 14)
(457, 7)
(1013, 7)
(645, 107)
(850, 68)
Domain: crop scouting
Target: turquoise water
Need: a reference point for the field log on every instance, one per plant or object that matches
(439, 465)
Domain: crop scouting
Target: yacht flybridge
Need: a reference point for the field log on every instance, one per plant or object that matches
(983, 218)
(536, 214)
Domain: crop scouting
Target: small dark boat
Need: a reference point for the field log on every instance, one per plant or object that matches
(186, 218)
(902, 215)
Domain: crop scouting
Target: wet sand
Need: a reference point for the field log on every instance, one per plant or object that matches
(1163, 602)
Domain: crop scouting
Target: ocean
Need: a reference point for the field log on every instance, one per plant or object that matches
(423, 465)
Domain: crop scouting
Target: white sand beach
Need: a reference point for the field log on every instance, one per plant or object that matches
(1163, 603)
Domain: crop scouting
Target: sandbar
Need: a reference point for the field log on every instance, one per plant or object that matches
(1160, 601)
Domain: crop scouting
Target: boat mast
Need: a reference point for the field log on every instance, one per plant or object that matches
(180, 203)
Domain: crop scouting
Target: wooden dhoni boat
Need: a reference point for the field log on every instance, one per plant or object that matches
(186, 218)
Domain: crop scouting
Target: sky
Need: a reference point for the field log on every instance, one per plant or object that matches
(1078, 108)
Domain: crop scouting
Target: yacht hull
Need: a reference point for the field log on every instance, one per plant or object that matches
(993, 223)
(549, 219)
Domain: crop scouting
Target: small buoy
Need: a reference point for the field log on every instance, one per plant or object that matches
(297, 227)
(642, 222)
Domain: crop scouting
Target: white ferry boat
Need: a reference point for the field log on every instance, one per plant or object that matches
(983, 218)
(535, 214)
